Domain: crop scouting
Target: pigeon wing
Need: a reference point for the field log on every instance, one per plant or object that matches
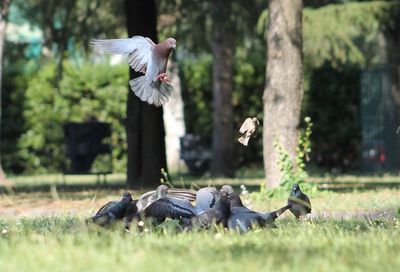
(170, 207)
(107, 207)
(242, 218)
(246, 125)
(137, 49)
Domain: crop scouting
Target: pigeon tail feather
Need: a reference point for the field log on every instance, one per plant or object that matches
(278, 212)
(244, 140)
(153, 93)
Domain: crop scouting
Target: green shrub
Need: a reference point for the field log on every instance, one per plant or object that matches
(85, 91)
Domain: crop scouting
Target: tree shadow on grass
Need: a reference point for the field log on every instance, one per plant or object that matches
(342, 187)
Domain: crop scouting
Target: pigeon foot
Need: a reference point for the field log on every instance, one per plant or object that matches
(163, 78)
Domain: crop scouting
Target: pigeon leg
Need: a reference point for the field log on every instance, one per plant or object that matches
(163, 78)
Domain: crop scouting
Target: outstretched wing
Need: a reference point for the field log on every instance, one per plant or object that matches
(169, 207)
(246, 125)
(138, 50)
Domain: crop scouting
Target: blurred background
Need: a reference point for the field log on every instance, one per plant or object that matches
(351, 52)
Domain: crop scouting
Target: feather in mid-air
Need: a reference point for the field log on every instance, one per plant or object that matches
(248, 128)
(146, 57)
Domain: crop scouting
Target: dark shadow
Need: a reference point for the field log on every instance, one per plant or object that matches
(359, 186)
(62, 187)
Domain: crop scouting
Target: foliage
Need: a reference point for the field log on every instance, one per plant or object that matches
(333, 103)
(294, 172)
(71, 24)
(17, 69)
(85, 92)
(339, 41)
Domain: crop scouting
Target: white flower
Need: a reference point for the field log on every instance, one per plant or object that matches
(4, 231)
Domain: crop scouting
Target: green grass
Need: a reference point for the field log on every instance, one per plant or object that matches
(44, 231)
(65, 244)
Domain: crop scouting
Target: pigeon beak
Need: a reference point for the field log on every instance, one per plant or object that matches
(174, 47)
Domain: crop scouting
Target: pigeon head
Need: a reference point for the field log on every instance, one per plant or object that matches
(235, 200)
(162, 190)
(255, 120)
(171, 43)
(223, 202)
(295, 190)
(126, 197)
(227, 189)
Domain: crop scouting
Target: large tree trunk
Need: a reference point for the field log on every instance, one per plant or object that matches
(3, 27)
(284, 83)
(222, 49)
(144, 124)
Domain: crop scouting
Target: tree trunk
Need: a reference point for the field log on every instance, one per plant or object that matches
(284, 83)
(3, 27)
(144, 124)
(222, 137)
(174, 120)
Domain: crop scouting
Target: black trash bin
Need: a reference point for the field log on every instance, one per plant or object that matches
(196, 153)
(83, 143)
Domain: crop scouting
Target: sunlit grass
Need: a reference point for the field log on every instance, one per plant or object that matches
(45, 231)
(66, 244)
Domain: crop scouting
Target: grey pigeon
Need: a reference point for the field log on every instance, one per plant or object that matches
(300, 202)
(243, 219)
(248, 128)
(146, 57)
(114, 210)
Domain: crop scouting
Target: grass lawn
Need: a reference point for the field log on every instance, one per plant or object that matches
(350, 230)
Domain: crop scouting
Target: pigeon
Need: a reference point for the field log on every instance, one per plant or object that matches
(243, 219)
(146, 57)
(248, 128)
(300, 202)
(114, 210)
(218, 214)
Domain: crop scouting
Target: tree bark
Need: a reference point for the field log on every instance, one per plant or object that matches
(222, 49)
(144, 124)
(3, 27)
(284, 83)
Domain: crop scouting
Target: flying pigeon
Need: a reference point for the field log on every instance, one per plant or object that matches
(243, 219)
(248, 127)
(300, 202)
(146, 57)
(114, 210)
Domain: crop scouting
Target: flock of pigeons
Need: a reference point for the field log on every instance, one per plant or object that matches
(212, 206)
(221, 207)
